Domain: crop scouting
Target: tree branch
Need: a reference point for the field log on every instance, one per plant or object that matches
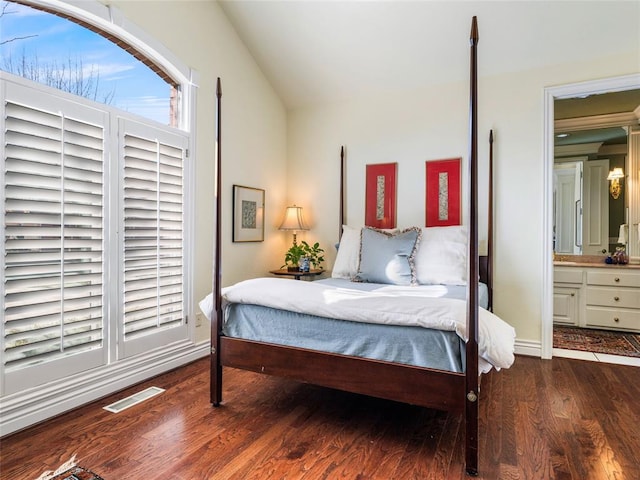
(17, 38)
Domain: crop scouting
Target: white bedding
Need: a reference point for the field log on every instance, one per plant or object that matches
(390, 304)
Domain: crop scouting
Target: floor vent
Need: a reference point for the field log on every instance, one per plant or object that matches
(134, 399)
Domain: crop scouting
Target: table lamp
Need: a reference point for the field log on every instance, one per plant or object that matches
(293, 221)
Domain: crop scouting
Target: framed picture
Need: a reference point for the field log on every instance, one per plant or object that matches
(380, 195)
(248, 214)
(442, 195)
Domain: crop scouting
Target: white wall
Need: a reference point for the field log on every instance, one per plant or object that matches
(407, 127)
(411, 127)
(253, 131)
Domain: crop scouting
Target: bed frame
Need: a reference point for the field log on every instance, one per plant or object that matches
(453, 392)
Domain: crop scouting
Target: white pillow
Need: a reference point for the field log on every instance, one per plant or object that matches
(442, 256)
(348, 256)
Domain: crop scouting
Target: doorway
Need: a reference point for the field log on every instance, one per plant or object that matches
(550, 210)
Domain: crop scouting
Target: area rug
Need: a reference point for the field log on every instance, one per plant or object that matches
(597, 341)
(77, 473)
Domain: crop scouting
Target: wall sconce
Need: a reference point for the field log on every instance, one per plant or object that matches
(293, 221)
(614, 177)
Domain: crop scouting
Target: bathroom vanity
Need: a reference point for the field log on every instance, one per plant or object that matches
(596, 295)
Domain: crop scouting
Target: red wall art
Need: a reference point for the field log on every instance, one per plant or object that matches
(442, 196)
(380, 195)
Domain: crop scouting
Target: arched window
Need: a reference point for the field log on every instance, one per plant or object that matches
(75, 56)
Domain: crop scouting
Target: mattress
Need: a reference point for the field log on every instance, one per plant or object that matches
(411, 345)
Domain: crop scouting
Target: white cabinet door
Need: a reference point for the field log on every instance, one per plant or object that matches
(566, 305)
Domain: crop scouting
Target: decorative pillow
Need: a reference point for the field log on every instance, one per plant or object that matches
(348, 256)
(441, 257)
(387, 257)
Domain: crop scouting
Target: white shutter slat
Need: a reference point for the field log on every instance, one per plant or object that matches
(84, 209)
(169, 189)
(136, 165)
(141, 187)
(18, 113)
(137, 275)
(47, 351)
(26, 232)
(34, 311)
(46, 145)
(34, 164)
(143, 292)
(22, 325)
(76, 309)
(84, 222)
(33, 271)
(81, 186)
(23, 347)
(83, 134)
(80, 174)
(35, 181)
(18, 193)
(84, 198)
(30, 219)
(37, 257)
(32, 283)
(29, 206)
(83, 164)
(81, 151)
(23, 153)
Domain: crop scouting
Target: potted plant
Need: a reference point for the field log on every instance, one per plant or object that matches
(297, 252)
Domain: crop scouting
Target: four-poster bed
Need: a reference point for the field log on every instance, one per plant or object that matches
(454, 391)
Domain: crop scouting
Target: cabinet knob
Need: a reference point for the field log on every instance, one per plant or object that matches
(616, 279)
(573, 294)
(616, 298)
(616, 319)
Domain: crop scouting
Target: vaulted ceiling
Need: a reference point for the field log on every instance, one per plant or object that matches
(325, 51)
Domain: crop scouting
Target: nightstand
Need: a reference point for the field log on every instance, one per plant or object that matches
(297, 275)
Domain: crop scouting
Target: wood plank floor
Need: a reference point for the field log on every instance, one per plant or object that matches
(559, 419)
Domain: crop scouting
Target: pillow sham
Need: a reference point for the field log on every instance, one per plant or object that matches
(346, 264)
(387, 257)
(441, 257)
(348, 256)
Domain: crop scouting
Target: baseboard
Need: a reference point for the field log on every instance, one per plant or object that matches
(529, 348)
(24, 409)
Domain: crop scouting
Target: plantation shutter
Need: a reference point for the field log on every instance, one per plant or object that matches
(53, 238)
(153, 237)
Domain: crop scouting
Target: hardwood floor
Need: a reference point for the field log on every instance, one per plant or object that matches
(559, 419)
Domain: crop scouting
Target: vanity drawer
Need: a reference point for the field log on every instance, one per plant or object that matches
(614, 297)
(613, 318)
(614, 279)
(569, 275)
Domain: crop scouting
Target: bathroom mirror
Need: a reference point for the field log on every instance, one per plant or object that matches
(590, 201)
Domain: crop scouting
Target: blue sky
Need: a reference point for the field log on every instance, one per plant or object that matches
(53, 39)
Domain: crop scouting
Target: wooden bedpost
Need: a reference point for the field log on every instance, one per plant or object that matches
(490, 225)
(471, 403)
(343, 215)
(216, 315)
